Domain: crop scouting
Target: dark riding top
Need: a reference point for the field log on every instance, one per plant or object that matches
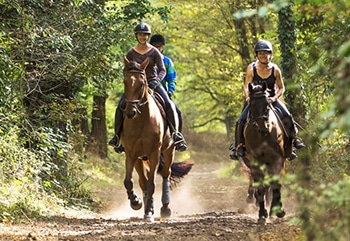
(270, 81)
(155, 60)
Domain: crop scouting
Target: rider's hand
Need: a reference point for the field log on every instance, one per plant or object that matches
(271, 99)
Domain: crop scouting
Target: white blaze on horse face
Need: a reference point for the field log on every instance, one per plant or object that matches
(133, 79)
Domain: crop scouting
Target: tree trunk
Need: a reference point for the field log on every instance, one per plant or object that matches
(287, 38)
(98, 136)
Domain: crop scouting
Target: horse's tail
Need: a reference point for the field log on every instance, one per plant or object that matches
(178, 170)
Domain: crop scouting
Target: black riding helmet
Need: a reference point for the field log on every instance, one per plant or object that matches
(263, 45)
(142, 28)
(157, 38)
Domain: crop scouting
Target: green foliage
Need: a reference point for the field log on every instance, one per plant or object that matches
(55, 56)
(20, 170)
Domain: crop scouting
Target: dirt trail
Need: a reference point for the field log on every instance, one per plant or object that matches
(204, 207)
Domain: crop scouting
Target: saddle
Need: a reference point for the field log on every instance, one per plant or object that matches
(159, 101)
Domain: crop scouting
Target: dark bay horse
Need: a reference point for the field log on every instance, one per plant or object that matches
(267, 149)
(147, 140)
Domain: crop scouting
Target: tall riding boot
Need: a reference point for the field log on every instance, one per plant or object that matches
(118, 123)
(298, 144)
(179, 114)
(179, 140)
(239, 149)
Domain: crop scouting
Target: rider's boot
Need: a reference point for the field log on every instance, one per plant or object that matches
(118, 122)
(178, 138)
(179, 141)
(293, 131)
(298, 144)
(238, 150)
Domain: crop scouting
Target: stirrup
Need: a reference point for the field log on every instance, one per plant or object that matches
(233, 155)
(179, 141)
(293, 155)
(119, 149)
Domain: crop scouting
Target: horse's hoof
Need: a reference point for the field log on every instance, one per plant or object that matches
(261, 220)
(281, 213)
(250, 199)
(148, 217)
(136, 204)
(278, 211)
(165, 212)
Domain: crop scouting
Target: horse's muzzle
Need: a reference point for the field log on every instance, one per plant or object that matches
(131, 113)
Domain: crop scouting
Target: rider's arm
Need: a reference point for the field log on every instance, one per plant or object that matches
(160, 65)
(279, 84)
(248, 79)
(170, 77)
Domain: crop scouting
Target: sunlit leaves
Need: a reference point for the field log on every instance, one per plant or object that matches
(262, 10)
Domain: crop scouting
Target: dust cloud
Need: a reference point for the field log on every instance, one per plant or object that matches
(201, 191)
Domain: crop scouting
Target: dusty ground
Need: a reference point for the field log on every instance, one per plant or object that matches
(204, 207)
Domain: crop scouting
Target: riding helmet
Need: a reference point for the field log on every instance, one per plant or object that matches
(142, 28)
(263, 45)
(157, 38)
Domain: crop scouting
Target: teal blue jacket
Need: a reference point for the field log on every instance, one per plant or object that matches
(169, 81)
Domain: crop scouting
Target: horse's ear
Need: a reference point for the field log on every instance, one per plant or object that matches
(250, 87)
(144, 63)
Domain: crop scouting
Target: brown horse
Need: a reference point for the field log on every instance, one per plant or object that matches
(146, 138)
(267, 149)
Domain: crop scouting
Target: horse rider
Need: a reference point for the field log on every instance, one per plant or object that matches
(139, 53)
(169, 81)
(263, 70)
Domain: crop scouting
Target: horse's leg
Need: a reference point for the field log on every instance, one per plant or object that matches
(250, 196)
(150, 186)
(276, 204)
(260, 196)
(141, 169)
(165, 211)
(135, 201)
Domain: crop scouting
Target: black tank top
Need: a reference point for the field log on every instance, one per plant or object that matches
(270, 81)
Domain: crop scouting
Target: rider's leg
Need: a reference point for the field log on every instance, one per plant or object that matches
(118, 124)
(291, 126)
(170, 110)
(238, 150)
(179, 114)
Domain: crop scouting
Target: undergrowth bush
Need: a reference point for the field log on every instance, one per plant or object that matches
(325, 202)
(31, 185)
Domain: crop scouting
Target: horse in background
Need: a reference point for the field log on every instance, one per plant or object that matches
(267, 149)
(148, 145)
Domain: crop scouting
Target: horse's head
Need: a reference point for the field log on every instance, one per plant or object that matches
(135, 86)
(259, 106)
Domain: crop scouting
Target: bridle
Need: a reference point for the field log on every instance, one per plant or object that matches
(257, 96)
(254, 121)
(138, 103)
